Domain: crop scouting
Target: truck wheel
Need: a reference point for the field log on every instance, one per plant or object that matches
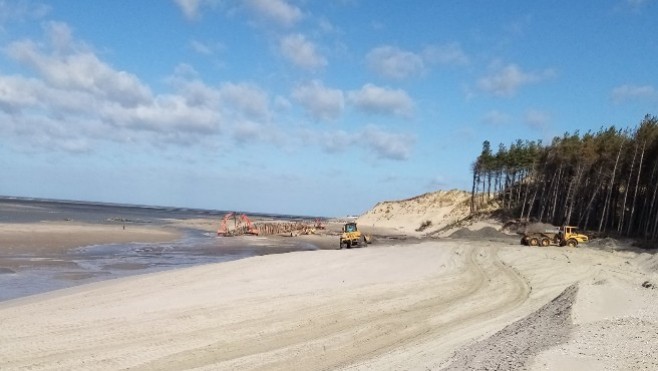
(534, 242)
(341, 245)
(545, 242)
(523, 242)
(572, 243)
(364, 243)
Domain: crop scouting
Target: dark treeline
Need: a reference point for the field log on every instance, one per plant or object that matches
(605, 181)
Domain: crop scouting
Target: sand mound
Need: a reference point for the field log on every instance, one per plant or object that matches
(483, 233)
(604, 243)
(648, 262)
(513, 346)
(435, 210)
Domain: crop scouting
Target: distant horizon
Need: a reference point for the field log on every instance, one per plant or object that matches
(158, 207)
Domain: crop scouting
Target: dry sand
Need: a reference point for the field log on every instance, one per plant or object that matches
(441, 209)
(431, 305)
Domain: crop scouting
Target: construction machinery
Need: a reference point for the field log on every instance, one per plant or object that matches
(546, 236)
(352, 237)
(241, 225)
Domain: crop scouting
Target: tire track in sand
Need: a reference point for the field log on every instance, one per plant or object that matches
(363, 325)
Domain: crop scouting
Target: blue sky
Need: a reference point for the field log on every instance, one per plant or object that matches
(302, 106)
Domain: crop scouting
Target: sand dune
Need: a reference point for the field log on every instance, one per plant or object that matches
(441, 208)
(432, 305)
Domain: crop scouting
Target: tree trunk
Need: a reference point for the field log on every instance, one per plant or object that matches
(653, 200)
(637, 183)
(475, 175)
(612, 184)
(589, 204)
(620, 227)
(555, 194)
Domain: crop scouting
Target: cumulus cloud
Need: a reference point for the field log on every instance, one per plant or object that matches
(337, 141)
(319, 101)
(79, 69)
(496, 118)
(16, 11)
(624, 93)
(382, 144)
(395, 63)
(448, 54)
(398, 64)
(200, 47)
(536, 119)
(247, 99)
(278, 11)
(374, 99)
(506, 81)
(386, 145)
(74, 99)
(301, 52)
(637, 4)
(190, 8)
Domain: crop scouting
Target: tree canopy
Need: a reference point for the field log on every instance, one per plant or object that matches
(605, 180)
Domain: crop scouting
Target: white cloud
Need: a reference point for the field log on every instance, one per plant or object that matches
(386, 145)
(337, 141)
(537, 120)
(374, 99)
(190, 8)
(200, 47)
(506, 81)
(382, 144)
(301, 52)
(447, 54)
(278, 11)
(636, 4)
(247, 99)
(75, 99)
(321, 102)
(496, 118)
(78, 69)
(395, 63)
(16, 11)
(625, 93)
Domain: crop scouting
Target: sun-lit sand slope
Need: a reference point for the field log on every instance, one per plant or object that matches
(441, 208)
(430, 305)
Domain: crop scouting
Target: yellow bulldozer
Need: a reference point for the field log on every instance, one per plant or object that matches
(562, 236)
(352, 237)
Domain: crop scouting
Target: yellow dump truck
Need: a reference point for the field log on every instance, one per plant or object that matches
(546, 236)
(352, 237)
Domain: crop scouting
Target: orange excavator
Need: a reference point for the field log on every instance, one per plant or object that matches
(242, 225)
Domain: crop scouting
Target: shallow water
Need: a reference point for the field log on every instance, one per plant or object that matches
(28, 274)
(33, 274)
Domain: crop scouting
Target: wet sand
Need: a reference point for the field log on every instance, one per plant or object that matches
(46, 256)
(58, 237)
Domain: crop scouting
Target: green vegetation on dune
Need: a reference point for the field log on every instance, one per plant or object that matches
(605, 181)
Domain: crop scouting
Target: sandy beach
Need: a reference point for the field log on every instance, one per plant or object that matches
(438, 304)
(59, 236)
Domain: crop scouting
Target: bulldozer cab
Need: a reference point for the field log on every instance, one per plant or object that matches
(349, 227)
(572, 236)
(568, 230)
